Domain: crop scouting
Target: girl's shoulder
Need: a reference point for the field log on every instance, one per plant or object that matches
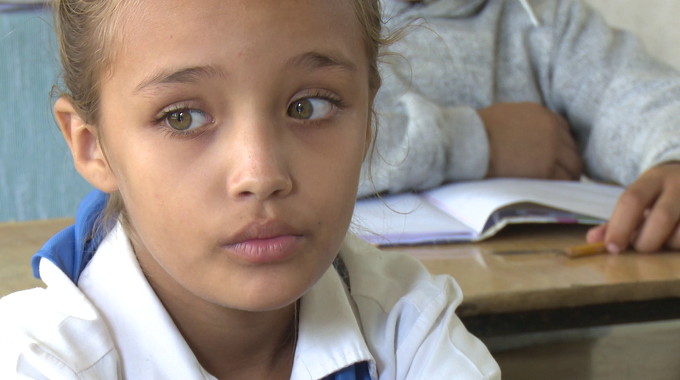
(408, 317)
(54, 333)
(390, 277)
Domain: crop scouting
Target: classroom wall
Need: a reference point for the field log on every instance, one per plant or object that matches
(37, 179)
(655, 21)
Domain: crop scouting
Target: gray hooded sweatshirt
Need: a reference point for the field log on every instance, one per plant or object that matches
(623, 106)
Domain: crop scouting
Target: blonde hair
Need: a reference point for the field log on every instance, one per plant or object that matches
(88, 30)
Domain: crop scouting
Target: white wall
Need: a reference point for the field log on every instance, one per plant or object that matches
(656, 22)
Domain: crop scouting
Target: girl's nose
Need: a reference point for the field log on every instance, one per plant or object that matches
(261, 165)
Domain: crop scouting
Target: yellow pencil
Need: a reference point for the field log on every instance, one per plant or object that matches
(586, 249)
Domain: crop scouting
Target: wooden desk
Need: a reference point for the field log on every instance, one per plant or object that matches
(512, 293)
(503, 293)
(18, 243)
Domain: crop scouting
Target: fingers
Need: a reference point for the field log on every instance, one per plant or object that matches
(660, 222)
(567, 151)
(564, 133)
(560, 174)
(570, 161)
(647, 213)
(673, 241)
(596, 234)
(628, 213)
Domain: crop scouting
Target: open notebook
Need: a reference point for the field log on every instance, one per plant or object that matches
(472, 211)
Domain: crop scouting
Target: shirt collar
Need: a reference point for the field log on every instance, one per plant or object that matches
(329, 335)
(148, 342)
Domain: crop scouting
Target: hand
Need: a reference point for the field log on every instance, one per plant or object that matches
(646, 215)
(531, 141)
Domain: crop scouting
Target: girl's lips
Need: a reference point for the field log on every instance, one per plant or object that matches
(265, 241)
(266, 250)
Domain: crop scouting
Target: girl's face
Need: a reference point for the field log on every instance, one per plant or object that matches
(235, 131)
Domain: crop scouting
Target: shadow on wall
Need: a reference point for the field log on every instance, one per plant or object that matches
(37, 178)
(654, 21)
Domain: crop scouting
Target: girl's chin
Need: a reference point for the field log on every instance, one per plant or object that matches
(266, 299)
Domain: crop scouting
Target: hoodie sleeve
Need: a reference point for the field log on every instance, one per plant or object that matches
(420, 144)
(622, 104)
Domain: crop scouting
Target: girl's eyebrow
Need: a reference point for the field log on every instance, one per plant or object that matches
(316, 60)
(185, 75)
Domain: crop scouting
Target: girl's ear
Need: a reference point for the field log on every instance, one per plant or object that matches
(81, 138)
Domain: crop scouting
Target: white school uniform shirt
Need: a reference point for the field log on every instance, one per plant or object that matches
(111, 325)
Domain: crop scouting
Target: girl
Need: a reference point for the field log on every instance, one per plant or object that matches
(229, 136)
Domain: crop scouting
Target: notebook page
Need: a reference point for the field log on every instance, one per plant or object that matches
(473, 202)
(405, 219)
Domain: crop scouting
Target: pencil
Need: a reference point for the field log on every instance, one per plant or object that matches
(586, 249)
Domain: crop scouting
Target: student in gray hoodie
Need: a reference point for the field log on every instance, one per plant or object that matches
(486, 88)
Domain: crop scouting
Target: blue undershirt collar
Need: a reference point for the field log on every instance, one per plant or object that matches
(357, 371)
(72, 248)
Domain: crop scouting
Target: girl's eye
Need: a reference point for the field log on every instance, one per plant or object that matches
(184, 120)
(310, 108)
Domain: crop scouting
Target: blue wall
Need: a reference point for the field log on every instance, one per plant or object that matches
(37, 178)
